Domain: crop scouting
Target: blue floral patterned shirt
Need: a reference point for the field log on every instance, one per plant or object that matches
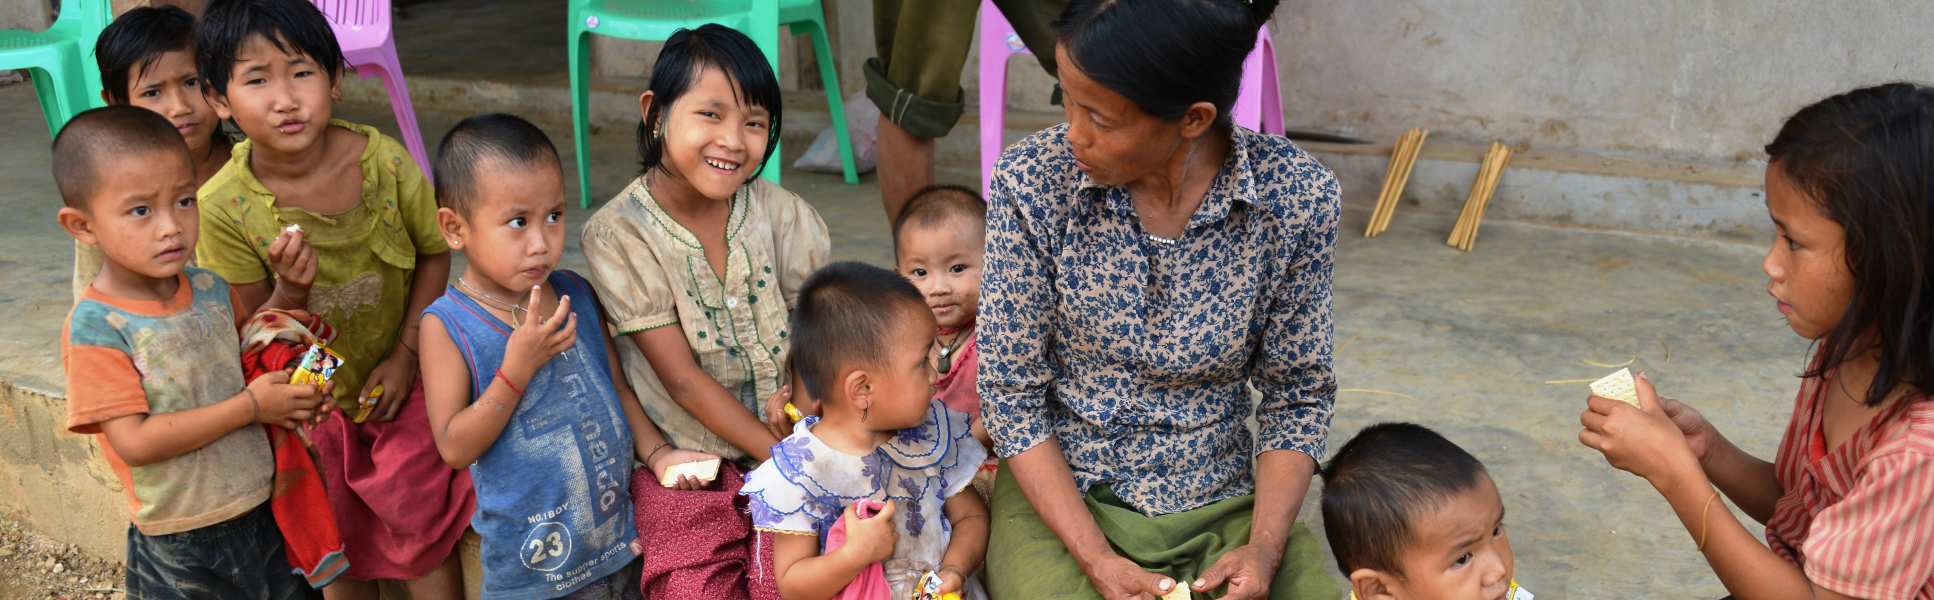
(1137, 353)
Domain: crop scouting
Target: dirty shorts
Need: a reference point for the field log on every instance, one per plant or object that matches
(922, 46)
(238, 558)
(622, 585)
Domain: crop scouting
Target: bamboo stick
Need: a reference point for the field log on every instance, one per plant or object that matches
(1409, 165)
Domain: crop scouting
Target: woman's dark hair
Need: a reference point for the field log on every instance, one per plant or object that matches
(1866, 157)
(130, 45)
(685, 56)
(1165, 55)
(294, 26)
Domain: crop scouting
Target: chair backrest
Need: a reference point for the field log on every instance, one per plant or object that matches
(85, 18)
(356, 13)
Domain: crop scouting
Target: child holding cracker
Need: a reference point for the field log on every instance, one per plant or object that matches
(318, 213)
(1848, 499)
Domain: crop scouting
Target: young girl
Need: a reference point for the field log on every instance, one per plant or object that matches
(521, 389)
(1848, 502)
(882, 437)
(147, 59)
(335, 217)
(698, 259)
(939, 244)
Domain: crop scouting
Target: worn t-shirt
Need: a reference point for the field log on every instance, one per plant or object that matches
(128, 357)
(651, 272)
(365, 256)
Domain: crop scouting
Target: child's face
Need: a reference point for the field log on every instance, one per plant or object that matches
(1806, 266)
(903, 382)
(1459, 551)
(141, 214)
(281, 99)
(944, 260)
(514, 234)
(712, 140)
(171, 88)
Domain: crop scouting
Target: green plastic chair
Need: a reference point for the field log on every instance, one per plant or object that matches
(65, 80)
(656, 20)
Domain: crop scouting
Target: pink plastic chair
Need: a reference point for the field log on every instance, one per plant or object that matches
(363, 30)
(1259, 102)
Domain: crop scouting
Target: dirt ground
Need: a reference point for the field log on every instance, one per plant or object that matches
(36, 567)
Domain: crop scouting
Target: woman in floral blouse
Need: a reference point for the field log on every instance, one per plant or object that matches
(1148, 263)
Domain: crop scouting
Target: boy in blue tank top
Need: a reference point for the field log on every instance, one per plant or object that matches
(517, 378)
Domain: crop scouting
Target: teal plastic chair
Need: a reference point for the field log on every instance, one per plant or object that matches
(64, 78)
(656, 20)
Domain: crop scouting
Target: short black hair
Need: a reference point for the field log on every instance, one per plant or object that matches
(685, 56)
(936, 204)
(482, 138)
(103, 134)
(294, 26)
(1382, 481)
(1866, 160)
(130, 45)
(1165, 55)
(845, 312)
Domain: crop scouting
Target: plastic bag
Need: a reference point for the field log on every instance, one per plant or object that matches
(862, 124)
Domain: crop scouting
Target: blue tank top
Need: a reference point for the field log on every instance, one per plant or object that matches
(553, 493)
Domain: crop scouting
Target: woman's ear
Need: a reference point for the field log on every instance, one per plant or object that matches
(451, 225)
(1198, 119)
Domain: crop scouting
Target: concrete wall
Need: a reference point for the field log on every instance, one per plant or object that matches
(25, 14)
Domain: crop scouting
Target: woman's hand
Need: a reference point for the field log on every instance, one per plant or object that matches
(1643, 441)
(671, 457)
(1247, 571)
(871, 539)
(1117, 578)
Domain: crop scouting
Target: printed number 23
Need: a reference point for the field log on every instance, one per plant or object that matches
(539, 550)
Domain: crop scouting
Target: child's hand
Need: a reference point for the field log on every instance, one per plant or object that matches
(1642, 441)
(277, 402)
(950, 581)
(776, 420)
(871, 539)
(1701, 436)
(538, 339)
(293, 261)
(396, 376)
(673, 457)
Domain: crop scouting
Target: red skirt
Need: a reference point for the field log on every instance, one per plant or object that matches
(400, 509)
(699, 545)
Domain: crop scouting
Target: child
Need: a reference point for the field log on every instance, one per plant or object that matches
(1411, 516)
(147, 59)
(871, 335)
(521, 389)
(938, 241)
(154, 369)
(344, 222)
(1846, 500)
(698, 260)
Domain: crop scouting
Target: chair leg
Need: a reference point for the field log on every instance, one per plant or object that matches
(1272, 91)
(53, 104)
(994, 53)
(391, 71)
(1247, 110)
(835, 101)
(763, 26)
(580, 112)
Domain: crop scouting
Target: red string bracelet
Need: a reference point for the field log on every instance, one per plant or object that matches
(513, 386)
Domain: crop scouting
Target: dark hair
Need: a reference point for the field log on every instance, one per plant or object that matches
(481, 138)
(294, 26)
(935, 204)
(685, 56)
(103, 134)
(845, 311)
(1380, 482)
(1866, 157)
(1165, 55)
(130, 45)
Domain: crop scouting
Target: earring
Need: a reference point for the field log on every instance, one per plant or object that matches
(863, 414)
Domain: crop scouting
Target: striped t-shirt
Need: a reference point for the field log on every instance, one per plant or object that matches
(1859, 519)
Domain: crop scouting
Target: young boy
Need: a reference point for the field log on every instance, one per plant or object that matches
(519, 377)
(147, 59)
(325, 215)
(153, 365)
(1411, 516)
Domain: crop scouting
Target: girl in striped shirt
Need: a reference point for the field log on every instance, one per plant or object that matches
(1848, 501)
